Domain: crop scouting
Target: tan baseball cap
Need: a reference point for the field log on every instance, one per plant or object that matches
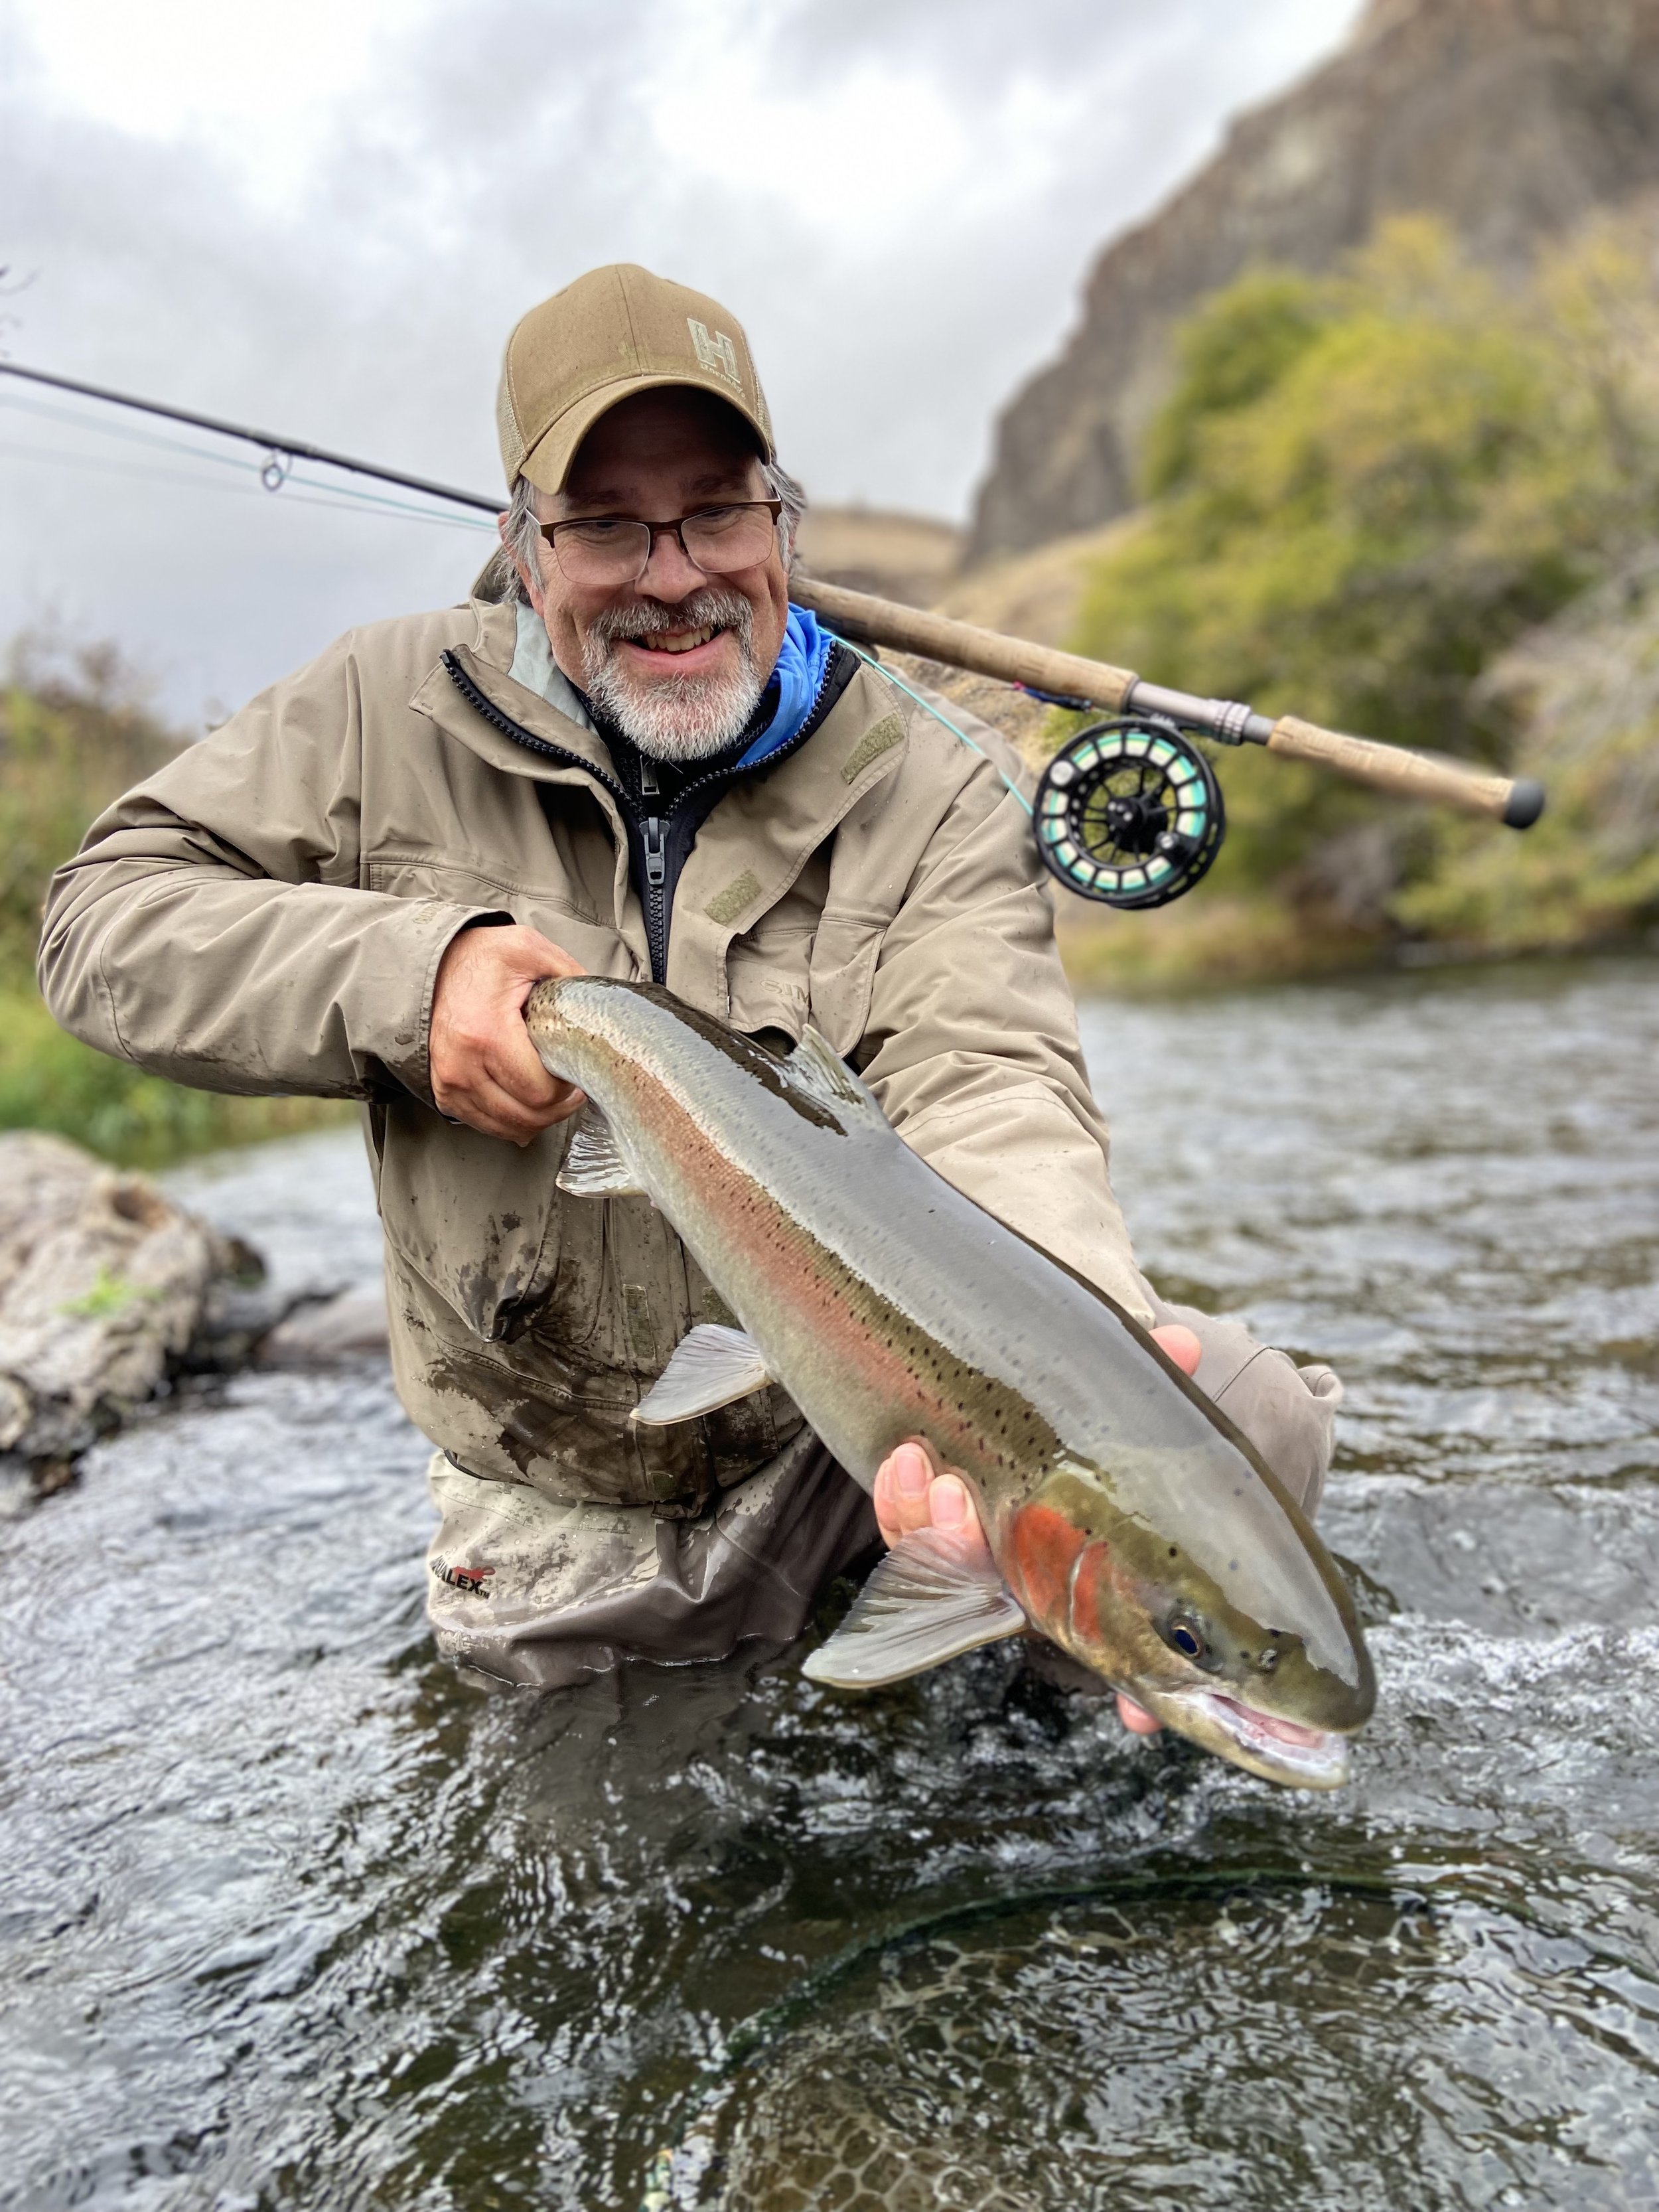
(613, 332)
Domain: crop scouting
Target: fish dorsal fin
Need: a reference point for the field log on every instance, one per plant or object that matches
(935, 1596)
(711, 1366)
(815, 1067)
(593, 1162)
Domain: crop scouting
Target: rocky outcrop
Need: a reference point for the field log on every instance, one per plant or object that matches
(107, 1288)
(1512, 119)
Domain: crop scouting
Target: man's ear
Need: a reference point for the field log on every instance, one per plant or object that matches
(533, 584)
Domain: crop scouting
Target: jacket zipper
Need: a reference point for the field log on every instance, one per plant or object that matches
(654, 826)
(655, 837)
(654, 830)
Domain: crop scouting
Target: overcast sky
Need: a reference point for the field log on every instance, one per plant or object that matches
(324, 216)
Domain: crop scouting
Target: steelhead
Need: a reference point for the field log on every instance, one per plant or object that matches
(1127, 1519)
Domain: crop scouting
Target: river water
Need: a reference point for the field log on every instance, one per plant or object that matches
(292, 1917)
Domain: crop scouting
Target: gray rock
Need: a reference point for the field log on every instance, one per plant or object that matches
(350, 1325)
(1512, 119)
(105, 1284)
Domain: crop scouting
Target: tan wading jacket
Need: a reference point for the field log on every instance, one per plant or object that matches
(267, 913)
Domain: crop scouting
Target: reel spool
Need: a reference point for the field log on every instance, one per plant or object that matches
(1129, 812)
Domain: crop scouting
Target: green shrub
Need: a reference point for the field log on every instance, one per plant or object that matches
(49, 1081)
(74, 734)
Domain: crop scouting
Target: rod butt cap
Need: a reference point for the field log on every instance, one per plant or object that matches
(1525, 803)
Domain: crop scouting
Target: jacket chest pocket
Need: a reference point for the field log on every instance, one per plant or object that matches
(784, 975)
(841, 973)
(766, 980)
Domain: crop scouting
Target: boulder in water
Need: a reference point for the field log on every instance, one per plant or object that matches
(107, 1289)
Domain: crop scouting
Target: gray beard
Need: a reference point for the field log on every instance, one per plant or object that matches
(687, 718)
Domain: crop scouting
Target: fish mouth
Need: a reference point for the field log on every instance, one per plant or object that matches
(1279, 1751)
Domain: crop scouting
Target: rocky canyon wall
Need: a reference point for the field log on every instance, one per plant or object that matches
(1512, 119)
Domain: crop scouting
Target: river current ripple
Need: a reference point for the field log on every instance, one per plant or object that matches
(292, 1917)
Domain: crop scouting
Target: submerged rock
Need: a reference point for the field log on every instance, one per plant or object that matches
(350, 1325)
(107, 1289)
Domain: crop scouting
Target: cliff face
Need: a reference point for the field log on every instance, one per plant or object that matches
(1512, 119)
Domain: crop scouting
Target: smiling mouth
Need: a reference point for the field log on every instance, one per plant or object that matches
(677, 640)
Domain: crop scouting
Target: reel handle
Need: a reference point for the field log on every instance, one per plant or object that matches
(1394, 769)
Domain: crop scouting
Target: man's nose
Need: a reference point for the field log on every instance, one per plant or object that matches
(669, 575)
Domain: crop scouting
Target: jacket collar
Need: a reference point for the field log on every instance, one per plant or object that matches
(488, 661)
(534, 666)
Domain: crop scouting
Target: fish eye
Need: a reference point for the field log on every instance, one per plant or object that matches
(1187, 1640)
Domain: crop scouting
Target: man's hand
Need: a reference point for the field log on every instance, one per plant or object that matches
(911, 1493)
(484, 1070)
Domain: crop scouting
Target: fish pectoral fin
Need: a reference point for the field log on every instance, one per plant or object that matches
(815, 1067)
(593, 1163)
(711, 1366)
(934, 1596)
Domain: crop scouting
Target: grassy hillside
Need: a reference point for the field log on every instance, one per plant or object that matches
(73, 735)
(1364, 494)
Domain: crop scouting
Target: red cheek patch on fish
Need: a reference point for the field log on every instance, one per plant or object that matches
(1097, 1587)
(1043, 1548)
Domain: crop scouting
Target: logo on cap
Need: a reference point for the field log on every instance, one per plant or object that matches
(714, 350)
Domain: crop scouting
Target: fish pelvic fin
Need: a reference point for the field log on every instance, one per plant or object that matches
(816, 1068)
(711, 1366)
(933, 1596)
(593, 1162)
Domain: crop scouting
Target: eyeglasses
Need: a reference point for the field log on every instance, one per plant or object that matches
(606, 550)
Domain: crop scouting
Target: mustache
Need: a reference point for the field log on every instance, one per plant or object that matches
(646, 617)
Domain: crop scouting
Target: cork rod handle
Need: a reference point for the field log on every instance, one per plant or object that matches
(858, 616)
(1407, 775)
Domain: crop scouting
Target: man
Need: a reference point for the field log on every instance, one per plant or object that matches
(644, 762)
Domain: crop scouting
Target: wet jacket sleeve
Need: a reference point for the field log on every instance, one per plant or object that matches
(214, 928)
(977, 1060)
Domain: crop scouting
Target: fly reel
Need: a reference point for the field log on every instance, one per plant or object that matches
(1129, 813)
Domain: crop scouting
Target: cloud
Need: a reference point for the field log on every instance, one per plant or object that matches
(898, 197)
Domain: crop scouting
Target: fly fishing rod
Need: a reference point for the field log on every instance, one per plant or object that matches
(1127, 812)
(282, 450)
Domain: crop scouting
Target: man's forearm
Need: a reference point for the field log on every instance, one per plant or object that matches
(235, 983)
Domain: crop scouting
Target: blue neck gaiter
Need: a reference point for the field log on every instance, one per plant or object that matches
(799, 676)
